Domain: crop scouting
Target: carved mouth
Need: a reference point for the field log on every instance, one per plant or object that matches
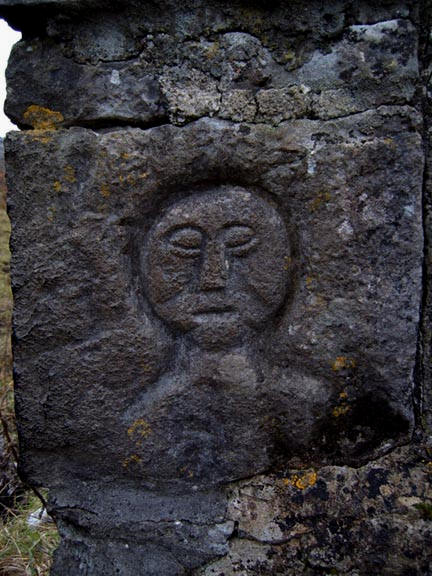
(213, 310)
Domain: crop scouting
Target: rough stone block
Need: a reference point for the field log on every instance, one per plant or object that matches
(218, 252)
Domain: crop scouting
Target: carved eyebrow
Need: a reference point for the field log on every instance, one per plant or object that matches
(182, 227)
(245, 224)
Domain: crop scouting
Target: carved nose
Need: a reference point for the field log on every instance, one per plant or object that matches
(214, 272)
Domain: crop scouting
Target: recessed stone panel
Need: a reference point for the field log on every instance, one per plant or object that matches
(257, 283)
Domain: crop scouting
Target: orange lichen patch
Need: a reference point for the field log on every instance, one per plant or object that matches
(342, 362)
(302, 481)
(341, 410)
(41, 118)
(69, 174)
(320, 198)
(105, 191)
(139, 431)
(133, 459)
(57, 186)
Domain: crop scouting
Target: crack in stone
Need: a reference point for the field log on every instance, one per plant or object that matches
(422, 355)
(114, 124)
(163, 522)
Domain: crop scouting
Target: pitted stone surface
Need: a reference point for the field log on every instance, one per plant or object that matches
(179, 73)
(218, 251)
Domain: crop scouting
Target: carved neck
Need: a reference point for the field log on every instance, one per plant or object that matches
(205, 364)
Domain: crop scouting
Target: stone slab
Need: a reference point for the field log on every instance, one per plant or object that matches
(341, 352)
(218, 253)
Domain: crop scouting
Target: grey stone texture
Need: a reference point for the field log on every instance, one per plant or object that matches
(220, 272)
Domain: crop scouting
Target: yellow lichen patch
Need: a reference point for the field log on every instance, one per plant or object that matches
(385, 490)
(302, 481)
(145, 366)
(69, 174)
(125, 155)
(186, 472)
(51, 213)
(42, 136)
(287, 262)
(342, 362)
(289, 56)
(105, 191)
(251, 15)
(429, 467)
(139, 431)
(133, 459)
(320, 198)
(343, 395)
(309, 281)
(57, 186)
(390, 142)
(130, 178)
(318, 303)
(212, 50)
(341, 410)
(392, 65)
(41, 118)
(143, 175)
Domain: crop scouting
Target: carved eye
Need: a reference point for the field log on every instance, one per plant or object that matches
(240, 239)
(186, 242)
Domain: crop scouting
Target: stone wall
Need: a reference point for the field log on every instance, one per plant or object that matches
(221, 273)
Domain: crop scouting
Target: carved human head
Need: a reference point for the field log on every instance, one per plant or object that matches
(215, 265)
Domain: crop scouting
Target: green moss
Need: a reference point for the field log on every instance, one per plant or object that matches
(6, 393)
(426, 510)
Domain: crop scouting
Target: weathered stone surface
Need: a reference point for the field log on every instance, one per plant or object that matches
(9, 482)
(347, 294)
(218, 252)
(189, 71)
(339, 520)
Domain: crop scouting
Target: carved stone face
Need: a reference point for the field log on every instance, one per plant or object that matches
(215, 265)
